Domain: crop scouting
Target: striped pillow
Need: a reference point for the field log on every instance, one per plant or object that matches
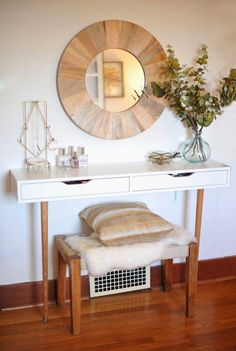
(125, 223)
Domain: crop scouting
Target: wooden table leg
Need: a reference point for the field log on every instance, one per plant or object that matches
(198, 220)
(44, 234)
(192, 260)
(167, 265)
(191, 279)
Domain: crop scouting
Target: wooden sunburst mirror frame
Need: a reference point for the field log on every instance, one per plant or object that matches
(71, 78)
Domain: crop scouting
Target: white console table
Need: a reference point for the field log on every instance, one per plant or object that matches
(112, 179)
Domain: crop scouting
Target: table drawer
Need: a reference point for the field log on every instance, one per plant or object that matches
(192, 180)
(69, 189)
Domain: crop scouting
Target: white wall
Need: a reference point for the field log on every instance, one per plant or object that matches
(32, 37)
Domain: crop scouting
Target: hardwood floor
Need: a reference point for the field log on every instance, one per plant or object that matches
(140, 321)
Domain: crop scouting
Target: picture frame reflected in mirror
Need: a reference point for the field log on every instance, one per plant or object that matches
(113, 79)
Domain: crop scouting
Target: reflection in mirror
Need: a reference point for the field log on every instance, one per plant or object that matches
(115, 80)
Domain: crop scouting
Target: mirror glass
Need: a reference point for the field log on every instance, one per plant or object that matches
(115, 80)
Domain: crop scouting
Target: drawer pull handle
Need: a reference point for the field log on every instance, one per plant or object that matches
(74, 182)
(181, 174)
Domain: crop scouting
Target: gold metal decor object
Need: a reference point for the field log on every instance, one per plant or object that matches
(35, 135)
(163, 157)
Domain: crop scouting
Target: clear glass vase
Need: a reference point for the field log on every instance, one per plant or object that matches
(196, 149)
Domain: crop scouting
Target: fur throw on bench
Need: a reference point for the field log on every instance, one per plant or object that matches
(100, 259)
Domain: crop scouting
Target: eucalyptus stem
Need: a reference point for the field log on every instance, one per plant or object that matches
(196, 147)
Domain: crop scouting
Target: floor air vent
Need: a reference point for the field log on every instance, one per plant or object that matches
(120, 281)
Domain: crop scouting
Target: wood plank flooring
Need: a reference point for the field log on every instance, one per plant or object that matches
(140, 321)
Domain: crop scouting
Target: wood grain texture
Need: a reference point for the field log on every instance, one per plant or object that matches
(143, 321)
(167, 274)
(75, 295)
(75, 280)
(61, 281)
(191, 279)
(71, 74)
(198, 221)
(23, 294)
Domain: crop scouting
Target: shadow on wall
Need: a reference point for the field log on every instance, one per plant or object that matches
(7, 183)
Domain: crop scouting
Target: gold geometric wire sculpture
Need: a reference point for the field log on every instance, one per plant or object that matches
(162, 158)
(35, 135)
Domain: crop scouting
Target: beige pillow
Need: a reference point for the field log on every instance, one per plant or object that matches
(125, 223)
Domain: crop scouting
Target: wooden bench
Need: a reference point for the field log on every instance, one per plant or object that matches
(67, 256)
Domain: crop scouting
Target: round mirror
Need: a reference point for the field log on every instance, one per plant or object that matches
(113, 117)
(115, 80)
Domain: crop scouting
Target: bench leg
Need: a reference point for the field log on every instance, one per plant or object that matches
(75, 294)
(167, 274)
(61, 280)
(191, 279)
